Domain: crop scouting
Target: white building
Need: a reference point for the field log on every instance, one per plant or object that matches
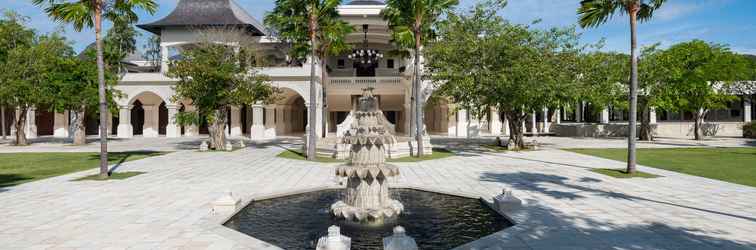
(148, 110)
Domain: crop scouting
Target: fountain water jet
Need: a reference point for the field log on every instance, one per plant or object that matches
(367, 197)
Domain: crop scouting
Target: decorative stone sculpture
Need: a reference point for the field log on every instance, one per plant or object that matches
(511, 144)
(229, 146)
(203, 146)
(367, 194)
(506, 202)
(241, 144)
(334, 240)
(399, 241)
(535, 144)
(226, 203)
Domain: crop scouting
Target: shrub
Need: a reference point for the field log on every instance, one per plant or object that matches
(749, 130)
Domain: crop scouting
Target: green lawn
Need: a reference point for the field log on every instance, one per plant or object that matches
(737, 165)
(17, 168)
(438, 153)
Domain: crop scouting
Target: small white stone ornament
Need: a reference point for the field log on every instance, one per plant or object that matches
(506, 202)
(226, 204)
(203, 146)
(229, 146)
(241, 144)
(334, 240)
(399, 241)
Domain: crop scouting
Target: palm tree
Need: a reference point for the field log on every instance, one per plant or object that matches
(313, 28)
(411, 22)
(593, 13)
(89, 13)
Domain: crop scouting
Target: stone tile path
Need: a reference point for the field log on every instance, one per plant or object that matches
(568, 207)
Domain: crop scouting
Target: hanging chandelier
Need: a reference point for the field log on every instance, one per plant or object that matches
(365, 55)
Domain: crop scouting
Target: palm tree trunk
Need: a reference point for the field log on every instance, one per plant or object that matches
(418, 98)
(20, 128)
(632, 123)
(101, 92)
(324, 128)
(80, 129)
(312, 128)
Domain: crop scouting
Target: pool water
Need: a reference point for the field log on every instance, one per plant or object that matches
(436, 221)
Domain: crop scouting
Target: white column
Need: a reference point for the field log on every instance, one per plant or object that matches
(652, 115)
(257, 130)
(125, 130)
(495, 125)
(151, 117)
(270, 122)
(31, 123)
(190, 130)
(604, 115)
(163, 59)
(172, 130)
(533, 123)
(546, 120)
(505, 124)
(60, 125)
(747, 109)
(579, 112)
(462, 123)
(558, 115)
(236, 129)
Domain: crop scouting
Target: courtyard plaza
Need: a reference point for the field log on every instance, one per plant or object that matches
(566, 206)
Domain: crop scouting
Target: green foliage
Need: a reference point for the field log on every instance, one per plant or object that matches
(74, 86)
(699, 72)
(13, 35)
(749, 130)
(413, 20)
(596, 12)
(215, 76)
(292, 20)
(81, 13)
(604, 78)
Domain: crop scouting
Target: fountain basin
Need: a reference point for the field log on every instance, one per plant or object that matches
(436, 221)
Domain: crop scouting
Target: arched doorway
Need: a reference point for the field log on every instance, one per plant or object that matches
(162, 118)
(290, 114)
(149, 115)
(137, 118)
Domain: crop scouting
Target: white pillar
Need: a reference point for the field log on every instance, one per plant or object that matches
(151, 117)
(163, 59)
(558, 115)
(236, 129)
(60, 125)
(125, 130)
(193, 129)
(605, 115)
(461, 123)
(505, 124)
(546, 120)
(533, 123)
(451, 125)
(172, 130)
(495, 125)
(270, 122)
(652, 115)
(31, 123)
(747, 109)
(257, 130)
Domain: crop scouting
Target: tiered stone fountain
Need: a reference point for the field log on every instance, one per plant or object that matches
(367, 198)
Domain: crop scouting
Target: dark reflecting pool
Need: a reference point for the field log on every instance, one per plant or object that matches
(436, 221)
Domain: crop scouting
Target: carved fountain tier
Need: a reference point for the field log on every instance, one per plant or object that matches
(367, 197)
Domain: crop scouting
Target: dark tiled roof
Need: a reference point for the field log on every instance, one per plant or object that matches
(206, 13)
(366, 2)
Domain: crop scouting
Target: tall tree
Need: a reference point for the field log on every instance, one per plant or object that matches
(593, 13)
(216, 73)
(27, 76)
(13, 34)
(700, 75)
(314, 29)
(89, 13)
(516, 70)
(412, 22)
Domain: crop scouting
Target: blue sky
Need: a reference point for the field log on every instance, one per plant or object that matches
(728, 22)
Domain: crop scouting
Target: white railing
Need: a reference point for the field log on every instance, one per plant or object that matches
(365, 81)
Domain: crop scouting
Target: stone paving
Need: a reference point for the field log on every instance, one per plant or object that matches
(567, 206)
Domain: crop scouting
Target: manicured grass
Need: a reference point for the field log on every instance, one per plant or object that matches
(620, 173)
(736, 165)
(438, 153)
(113, 176)
(18, 168)
(298, 155)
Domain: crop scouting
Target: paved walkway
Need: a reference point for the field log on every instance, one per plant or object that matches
(568, 207)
